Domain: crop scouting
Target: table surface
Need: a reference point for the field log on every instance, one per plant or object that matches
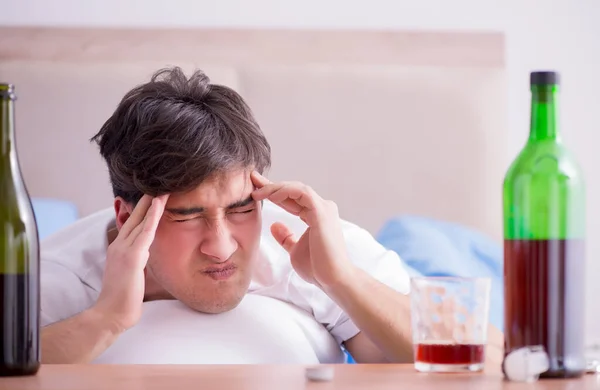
(265, 377)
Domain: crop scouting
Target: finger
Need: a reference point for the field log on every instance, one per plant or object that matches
(291, 207)
(281, 198)
(259, 180)
(278, 193)
(283, 235)
(148, 230)
(136, 217)
(138, 228)
(267, 190)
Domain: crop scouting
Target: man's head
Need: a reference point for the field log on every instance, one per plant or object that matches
(198, 142)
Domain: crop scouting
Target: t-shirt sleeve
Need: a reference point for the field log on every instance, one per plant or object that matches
(63, 294)
(365, 252)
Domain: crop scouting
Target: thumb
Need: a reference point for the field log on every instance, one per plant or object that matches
(283, 235)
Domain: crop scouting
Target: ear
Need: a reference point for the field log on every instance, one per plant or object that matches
(123, 210)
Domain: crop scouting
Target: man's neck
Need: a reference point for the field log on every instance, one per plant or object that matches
(154, 291)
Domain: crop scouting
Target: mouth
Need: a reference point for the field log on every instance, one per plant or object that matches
(220, 273)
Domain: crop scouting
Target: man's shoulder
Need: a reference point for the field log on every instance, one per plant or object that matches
(80, 245)
(72, 263)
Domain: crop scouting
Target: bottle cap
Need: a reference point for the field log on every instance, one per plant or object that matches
(7, 90)
(526, 364)
(544, 78)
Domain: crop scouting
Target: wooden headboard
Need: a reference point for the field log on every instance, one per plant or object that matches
(382, 122)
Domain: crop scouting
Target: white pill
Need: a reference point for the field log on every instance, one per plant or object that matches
(319, 374)
(526, 364)
(592, 366)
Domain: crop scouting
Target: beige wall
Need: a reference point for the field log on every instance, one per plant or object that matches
(383, 126)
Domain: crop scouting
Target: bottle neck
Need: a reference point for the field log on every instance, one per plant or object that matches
(7, 131)
(544, 113)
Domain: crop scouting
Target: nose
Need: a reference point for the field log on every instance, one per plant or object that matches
(218, 242)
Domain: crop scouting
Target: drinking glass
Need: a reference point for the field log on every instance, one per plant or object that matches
(449, 320)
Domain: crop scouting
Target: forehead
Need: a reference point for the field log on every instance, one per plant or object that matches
(219, 191)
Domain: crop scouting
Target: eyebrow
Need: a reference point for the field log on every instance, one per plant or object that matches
(197, 210)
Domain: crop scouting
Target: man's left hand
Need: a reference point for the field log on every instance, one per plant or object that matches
(319, 256)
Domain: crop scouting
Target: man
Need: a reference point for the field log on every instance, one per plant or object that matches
(185, 159)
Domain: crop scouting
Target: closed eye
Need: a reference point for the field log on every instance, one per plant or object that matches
(184, 220)
(231, 212)
(243, 212)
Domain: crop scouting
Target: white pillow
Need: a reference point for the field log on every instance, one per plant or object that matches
(261, 330)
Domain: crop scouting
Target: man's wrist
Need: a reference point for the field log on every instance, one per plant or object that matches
(102, 320)
(348, 278)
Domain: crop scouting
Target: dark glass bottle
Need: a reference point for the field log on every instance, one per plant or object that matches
(19, 256)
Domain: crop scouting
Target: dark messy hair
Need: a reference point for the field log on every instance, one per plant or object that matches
(174, 132)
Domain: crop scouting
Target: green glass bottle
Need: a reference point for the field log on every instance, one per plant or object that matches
(19, 256)
(544, 240)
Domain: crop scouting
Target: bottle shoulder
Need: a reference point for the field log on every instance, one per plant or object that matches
(15, 200)
(545, 159)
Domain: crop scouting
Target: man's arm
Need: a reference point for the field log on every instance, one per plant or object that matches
(381, 313)
(320, 256)
(85, 336)
(79, 339)
(363, 350)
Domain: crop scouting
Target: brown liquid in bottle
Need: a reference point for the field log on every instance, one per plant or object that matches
(544, 280)
(18, 326)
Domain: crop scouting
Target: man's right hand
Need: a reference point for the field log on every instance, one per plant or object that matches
(123, 286)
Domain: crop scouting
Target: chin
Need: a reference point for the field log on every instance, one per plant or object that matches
(215, 307)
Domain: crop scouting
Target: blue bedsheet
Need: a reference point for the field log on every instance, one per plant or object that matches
(436, 248)
(52, 215)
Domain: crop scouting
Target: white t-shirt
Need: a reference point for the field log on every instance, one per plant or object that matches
(282, 319)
